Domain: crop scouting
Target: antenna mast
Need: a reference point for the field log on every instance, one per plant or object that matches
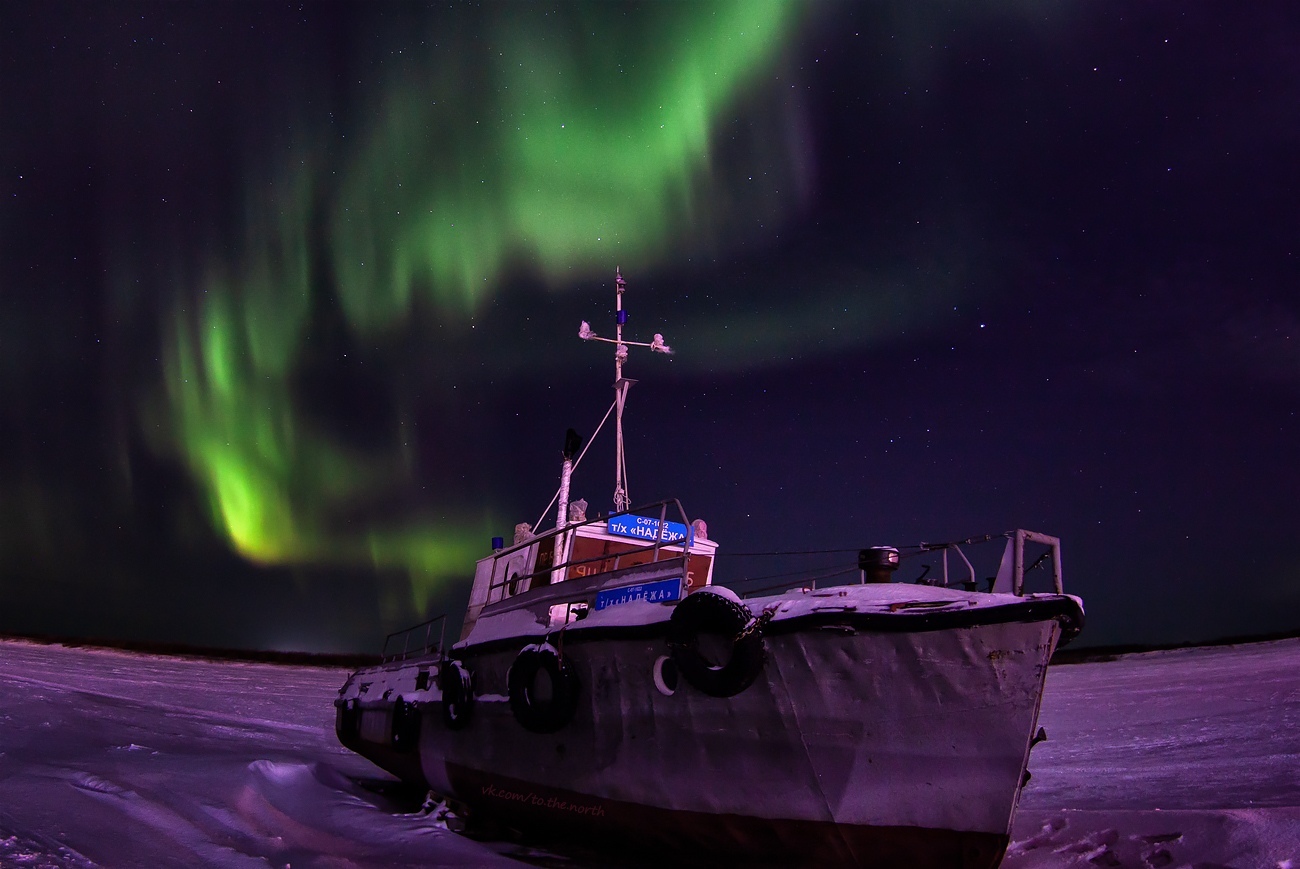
(621, 383)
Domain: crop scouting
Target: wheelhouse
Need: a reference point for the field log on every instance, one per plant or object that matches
(584, 565)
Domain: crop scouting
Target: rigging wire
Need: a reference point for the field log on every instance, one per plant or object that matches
(790, 573)
(795, 552)
(576, 462)
(904, 551)
(809, 579)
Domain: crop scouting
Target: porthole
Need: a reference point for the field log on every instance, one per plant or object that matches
(665, 675)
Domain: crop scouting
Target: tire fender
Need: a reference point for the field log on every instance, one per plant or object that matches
(535, 711)
(724, 615)
(406, 725)
(457, 685)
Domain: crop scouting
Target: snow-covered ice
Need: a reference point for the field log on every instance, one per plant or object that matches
(1169, 759)
(117, 759)
(1176, 758)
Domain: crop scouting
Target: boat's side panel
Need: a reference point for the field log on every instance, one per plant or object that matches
(927, 730)
(722, 839)
(381, 713)
(919, 730)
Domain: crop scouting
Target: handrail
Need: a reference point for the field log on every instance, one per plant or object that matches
(944, 549)
(501, 584)
(412, 632)
(1010, 576)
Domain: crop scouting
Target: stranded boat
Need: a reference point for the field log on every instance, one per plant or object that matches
(604, 687)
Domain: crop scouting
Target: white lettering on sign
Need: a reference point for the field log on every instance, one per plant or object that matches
(645, 528)
(654, 592)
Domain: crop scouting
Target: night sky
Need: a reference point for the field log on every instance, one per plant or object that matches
(289, 297)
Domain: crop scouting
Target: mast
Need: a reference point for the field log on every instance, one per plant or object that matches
(564, 541)
(621, 386)
(621, 383)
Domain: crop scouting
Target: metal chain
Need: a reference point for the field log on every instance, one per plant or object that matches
(756, 624)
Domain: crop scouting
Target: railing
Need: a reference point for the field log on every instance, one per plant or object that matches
(421, 635)
(1010, 576)
(501, 587)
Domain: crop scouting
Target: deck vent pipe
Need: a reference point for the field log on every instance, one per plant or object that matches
(878, 563)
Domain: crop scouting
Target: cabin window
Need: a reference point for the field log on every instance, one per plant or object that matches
(546, 554)
(592, 556)
(565, 613)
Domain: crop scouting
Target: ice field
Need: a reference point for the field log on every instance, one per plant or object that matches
(1184, 758)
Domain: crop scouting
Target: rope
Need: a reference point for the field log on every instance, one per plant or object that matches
(538, 523)
(590, 440)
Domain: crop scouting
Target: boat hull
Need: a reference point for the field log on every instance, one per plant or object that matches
(569, 816)
(908, 747)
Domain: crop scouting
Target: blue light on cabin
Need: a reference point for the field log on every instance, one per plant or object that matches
(622, 318)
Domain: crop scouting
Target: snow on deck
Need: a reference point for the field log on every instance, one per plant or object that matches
(884, 598)
(881, 598)
(116, 759)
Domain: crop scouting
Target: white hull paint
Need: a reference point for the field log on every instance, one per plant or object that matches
(898, 729)
(890, 714)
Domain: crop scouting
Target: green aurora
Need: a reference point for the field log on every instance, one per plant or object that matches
(552, 145)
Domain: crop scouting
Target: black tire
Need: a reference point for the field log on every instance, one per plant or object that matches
(457, 686)
(708, 612)
(528, 701)
(406, 725)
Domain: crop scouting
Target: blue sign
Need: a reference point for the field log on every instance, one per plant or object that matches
(664, 589)
(645, 528)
